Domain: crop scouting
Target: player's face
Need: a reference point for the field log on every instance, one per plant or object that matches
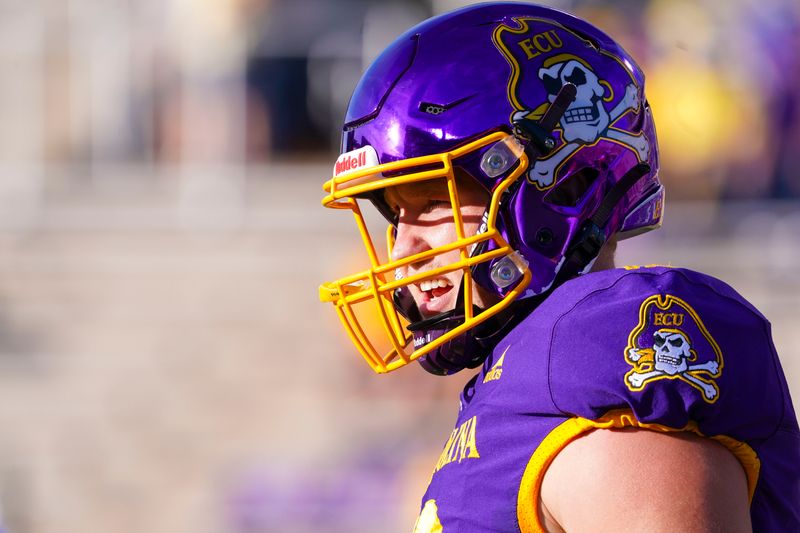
(424, 222)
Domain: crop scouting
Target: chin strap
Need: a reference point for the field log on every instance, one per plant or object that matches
(466, 351)
(586, 245)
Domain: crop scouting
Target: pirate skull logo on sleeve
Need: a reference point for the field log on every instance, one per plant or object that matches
(671, 342)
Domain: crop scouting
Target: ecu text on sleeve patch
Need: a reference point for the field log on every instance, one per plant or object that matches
(671, 342)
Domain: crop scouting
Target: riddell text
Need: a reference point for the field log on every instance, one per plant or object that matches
(351, 163)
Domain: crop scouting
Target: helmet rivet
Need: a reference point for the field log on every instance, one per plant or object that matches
(505, 273)
(544, 236)
(508, 269)
(549, 143)
(495, 161)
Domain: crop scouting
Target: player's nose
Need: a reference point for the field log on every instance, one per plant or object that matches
(408, 240)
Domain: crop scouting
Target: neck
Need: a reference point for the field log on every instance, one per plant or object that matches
(605, 260)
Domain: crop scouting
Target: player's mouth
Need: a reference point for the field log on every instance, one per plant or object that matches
(435, 296)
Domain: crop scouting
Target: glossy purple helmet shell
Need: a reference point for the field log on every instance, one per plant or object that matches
(457, 77)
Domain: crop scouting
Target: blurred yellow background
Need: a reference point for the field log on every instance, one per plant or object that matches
(165, 365)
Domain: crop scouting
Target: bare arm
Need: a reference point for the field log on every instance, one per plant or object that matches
(638, 480)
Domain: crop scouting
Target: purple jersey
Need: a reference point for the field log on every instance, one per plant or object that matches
(658, 348)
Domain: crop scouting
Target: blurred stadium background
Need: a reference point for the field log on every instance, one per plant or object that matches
(164, 363)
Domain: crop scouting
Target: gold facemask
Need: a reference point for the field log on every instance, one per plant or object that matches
(375, 286)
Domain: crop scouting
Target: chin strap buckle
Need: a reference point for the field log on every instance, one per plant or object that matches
(592, 235)
(586, 245)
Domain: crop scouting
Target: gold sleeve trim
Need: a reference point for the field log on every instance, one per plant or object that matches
(563, 434)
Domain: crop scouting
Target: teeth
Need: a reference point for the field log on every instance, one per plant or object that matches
(431, 284)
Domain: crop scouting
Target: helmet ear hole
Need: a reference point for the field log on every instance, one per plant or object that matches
(570, 191)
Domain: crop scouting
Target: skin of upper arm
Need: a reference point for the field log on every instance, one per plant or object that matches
(641, 480)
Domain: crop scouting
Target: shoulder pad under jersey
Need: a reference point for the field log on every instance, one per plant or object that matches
(671, 345)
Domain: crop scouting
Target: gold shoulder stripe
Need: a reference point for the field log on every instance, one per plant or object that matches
(563, 434)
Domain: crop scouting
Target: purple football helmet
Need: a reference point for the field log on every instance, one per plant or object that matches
(548, 114)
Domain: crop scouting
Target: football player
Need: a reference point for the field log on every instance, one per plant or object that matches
(510, 146)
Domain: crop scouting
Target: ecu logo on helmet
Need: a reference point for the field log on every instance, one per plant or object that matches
(559, 56)
(671, 342)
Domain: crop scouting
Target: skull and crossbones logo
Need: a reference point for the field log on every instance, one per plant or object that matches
(586, 120)
(670, 356)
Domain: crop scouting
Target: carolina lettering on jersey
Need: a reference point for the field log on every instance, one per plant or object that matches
(641, 348)
(461, 444)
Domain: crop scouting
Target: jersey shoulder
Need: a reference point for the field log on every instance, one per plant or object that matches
(671, 345)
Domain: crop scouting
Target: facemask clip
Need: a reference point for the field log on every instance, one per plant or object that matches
(508, 270)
